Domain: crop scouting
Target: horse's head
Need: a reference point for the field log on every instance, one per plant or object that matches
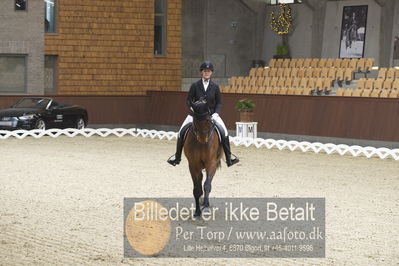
(202, 122)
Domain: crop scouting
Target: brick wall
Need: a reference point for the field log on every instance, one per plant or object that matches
(106, 47)
(21, 33)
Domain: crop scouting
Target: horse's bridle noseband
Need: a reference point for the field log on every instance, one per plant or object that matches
(202, 116)
(197, 132)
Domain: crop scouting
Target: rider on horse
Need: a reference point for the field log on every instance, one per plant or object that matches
(206, 89)
(351, 31)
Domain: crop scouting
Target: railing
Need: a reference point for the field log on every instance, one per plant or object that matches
(316, 147)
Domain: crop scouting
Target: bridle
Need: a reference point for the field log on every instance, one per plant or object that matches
(198, 132)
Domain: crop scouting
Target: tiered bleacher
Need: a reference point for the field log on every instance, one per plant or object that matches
(385, 85)
(306, 76)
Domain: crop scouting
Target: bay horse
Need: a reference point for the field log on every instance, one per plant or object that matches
(203, 151)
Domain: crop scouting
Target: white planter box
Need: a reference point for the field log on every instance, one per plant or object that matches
(246, 129)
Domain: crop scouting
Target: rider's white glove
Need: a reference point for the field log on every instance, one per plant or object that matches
(215, 115)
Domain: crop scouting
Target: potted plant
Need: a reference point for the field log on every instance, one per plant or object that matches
(245, 107)
(282, 51)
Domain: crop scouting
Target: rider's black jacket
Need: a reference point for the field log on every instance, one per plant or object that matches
(212, 95)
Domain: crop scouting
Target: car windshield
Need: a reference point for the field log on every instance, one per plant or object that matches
(32, 103)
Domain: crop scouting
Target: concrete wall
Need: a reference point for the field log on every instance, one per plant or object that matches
(227, 32)
(319, 12)
(386, 29)
(193, 36)
(319, 29)
(21, 32)
(395, 36)
(316, 32)
(299, 38)
(332, 28)
(233, 50)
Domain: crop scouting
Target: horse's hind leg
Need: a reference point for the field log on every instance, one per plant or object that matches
(196, 175)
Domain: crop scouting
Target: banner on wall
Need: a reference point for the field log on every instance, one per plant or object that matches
(353, 31)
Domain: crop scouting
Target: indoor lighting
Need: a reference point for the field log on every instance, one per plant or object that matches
(278, 2)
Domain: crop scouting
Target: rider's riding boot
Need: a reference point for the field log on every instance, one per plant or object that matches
(227, 152)
(175, 159)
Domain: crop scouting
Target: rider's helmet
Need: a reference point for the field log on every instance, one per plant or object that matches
(206, 65)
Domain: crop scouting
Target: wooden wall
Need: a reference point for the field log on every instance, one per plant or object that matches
(327, 116)
(341, 117)
(105, 47)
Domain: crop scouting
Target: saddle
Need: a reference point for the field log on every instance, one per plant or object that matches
(184, 131)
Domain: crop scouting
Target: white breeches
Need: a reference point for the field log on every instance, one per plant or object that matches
(218, 119)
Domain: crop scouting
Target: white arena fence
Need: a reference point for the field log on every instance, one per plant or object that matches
(292, 145)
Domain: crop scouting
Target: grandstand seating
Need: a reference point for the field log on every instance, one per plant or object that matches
(307, 76)
(379, 87)
(340, 92)
(357, 92)
(385, 85)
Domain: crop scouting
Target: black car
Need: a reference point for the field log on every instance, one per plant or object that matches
(42, 113)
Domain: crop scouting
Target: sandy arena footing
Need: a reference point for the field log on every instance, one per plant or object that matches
(61, 199)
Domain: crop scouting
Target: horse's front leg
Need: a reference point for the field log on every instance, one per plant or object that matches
(197, 191)
(196, 176)
(210, 172)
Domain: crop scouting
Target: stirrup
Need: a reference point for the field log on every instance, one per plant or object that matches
(232, 161)
(173, 161)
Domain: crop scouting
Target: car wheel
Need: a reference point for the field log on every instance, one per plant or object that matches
(80, 123)
(40, 124)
